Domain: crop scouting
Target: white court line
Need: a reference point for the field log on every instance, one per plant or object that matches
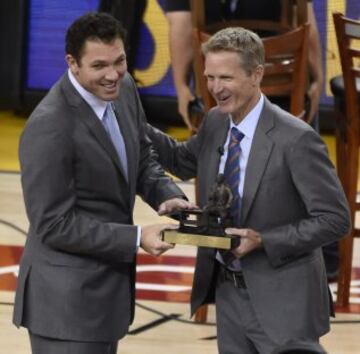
(352, 300)
(164, 268)
(162, 287)
(10, 269)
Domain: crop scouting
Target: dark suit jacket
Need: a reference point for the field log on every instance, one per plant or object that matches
(77, 273)
(292, 196)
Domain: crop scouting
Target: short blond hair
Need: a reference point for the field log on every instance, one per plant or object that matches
(239, 40)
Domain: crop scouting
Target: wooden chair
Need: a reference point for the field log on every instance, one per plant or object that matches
(285, 68)
(348, 139)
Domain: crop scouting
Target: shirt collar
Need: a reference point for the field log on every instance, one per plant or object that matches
(98, 105)
(248, 125)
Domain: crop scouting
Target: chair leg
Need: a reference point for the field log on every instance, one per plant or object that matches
(344, 278)
(349, 177)
(201, 314)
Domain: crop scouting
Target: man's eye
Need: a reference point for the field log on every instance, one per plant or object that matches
(120, 61)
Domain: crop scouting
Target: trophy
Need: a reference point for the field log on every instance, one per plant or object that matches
(206, 227)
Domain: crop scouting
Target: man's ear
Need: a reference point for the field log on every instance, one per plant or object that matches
(72, 63)
(258, 75)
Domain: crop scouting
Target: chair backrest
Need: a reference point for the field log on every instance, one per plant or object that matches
(348, 39)
(285, 73)
(260, 26)
(293, 14)
(347, 139)
(286, 69)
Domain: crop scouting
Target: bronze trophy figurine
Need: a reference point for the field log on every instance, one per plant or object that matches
(206, 227)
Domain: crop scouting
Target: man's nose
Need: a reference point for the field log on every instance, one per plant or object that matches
(112, 74)
(217, 86)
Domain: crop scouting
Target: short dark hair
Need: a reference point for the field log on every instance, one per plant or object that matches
(92, 26)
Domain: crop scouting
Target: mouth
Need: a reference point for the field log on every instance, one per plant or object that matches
(111, 86)
(223, 99)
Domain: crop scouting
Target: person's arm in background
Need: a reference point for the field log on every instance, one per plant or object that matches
(181, 54)
(315, 64)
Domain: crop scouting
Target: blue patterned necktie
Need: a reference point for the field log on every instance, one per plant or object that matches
(232, 179)
(232, 171)
(112, 128)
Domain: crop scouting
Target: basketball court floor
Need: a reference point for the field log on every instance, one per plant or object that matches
(162, 323)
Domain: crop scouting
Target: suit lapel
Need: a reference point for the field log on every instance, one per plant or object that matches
(260, 152)
(89, 118)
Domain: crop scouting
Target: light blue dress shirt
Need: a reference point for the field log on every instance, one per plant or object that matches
(247, 126)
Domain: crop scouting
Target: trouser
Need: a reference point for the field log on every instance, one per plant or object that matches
(238, 329)
(44, 345)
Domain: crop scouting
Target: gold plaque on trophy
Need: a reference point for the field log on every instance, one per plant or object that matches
(182, 238)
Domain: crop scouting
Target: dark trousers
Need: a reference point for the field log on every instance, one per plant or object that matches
(44, 345)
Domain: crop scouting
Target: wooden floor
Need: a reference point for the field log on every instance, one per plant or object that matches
(161, 326)
(162, 323)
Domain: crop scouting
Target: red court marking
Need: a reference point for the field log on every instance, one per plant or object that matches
(352, 308)
(10, 256)
(165, 278)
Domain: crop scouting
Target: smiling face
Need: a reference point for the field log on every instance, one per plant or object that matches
(100, 68)
(235, 90)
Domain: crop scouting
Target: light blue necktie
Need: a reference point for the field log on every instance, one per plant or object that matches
(112, 128)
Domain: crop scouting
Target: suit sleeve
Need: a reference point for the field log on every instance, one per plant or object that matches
(326, 207)
(50, 191)
(152, 183)
(179, 158)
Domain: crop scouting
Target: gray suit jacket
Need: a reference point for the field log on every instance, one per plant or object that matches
(77, 272)
(292, 196)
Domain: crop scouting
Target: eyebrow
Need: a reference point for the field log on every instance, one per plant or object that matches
(101, 61)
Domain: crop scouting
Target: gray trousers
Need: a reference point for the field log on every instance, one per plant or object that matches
(238, 329)
(44, 345)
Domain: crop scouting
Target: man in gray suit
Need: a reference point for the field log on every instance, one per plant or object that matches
(84, 156)
(289, 203)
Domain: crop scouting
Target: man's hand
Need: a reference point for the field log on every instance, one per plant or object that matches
(185, 96)
(314, 94)
(250, 240)
(173, 204)
(151, 239)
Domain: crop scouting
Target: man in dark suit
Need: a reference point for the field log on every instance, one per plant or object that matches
(288, 202)
(84, 156)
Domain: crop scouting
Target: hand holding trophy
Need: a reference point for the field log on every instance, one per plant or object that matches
(206, 227)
